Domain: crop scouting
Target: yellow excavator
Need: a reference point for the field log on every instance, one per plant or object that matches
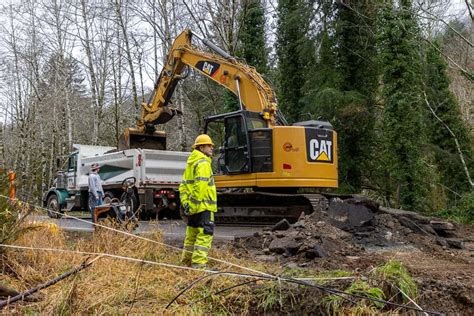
(261, 160)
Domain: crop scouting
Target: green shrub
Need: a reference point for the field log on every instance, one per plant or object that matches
(463, 212)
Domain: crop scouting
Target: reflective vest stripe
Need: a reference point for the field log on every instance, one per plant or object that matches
(187, 181)
(201, 179)
(199, 202)
(201, 248)
(199, 162)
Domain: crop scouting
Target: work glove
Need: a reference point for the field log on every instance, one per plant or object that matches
(184, 212)
(186, 209)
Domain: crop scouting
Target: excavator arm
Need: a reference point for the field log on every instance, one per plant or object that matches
(244, 81)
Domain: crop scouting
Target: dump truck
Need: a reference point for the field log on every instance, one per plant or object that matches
(157, 174)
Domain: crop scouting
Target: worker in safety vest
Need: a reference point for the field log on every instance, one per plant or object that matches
(198, 203)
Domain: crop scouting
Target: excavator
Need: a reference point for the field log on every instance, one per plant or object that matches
(265, 168)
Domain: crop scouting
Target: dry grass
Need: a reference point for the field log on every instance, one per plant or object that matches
(112, 286)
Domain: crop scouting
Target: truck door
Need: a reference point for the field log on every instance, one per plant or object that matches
(72, 171)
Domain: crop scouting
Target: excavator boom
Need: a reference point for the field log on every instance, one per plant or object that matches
(244, 81)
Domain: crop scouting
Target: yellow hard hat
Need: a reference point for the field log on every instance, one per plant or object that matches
(202, 139)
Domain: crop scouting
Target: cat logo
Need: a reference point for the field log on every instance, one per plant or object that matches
(320, 150)
(208, 67)
(319, 145)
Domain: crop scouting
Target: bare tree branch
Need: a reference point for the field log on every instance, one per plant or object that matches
(458, 147)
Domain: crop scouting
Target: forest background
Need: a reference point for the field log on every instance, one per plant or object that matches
(395, 79)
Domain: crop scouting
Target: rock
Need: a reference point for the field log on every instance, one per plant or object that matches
(280, 235)
(292, 248)
(442, 228)
(299, 224)
(347, 216)
(266, 251)
(284, 245)
(321, 224)
(429, 229)
(362, 234)
(362, 200)
(411, 225)
(277, 246)
(455, 243)
(315, 252)
(442, 242)
(256, 234)
(281, 225)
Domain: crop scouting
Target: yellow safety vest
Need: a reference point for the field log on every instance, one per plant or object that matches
(198, 189)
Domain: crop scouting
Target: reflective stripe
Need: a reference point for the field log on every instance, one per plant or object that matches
(199, 162)
(199, 202)
(201, 248)
(187, 181)
(201, 179)
(188, 247)
(211, 183)
(194, 200)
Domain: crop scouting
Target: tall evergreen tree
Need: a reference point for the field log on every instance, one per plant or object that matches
(251, 46)
(356, 65)
(443, 103)
(295, 52)
(403, 131)
(343, 84)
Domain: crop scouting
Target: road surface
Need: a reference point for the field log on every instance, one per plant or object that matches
(172, 229)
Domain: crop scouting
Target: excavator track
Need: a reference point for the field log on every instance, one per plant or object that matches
(261, 208)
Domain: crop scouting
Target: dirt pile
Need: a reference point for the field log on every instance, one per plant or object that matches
(354, 225)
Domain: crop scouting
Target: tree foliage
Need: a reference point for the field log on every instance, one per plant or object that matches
(295, 53)
(452, 175)
(403, 130)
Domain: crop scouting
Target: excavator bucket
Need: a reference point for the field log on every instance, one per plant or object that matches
(134, 138)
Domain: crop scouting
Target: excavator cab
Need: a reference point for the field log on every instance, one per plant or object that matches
(243, 142)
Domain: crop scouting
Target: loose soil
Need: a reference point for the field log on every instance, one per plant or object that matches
(358, 235)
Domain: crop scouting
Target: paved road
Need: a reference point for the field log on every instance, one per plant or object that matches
(172, 230)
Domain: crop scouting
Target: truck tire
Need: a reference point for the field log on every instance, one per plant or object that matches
(53, 205)
(108, 196)
(131, 201)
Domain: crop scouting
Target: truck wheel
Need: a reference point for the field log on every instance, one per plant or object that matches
(53, 207)
(108, 196)
(130, 201)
